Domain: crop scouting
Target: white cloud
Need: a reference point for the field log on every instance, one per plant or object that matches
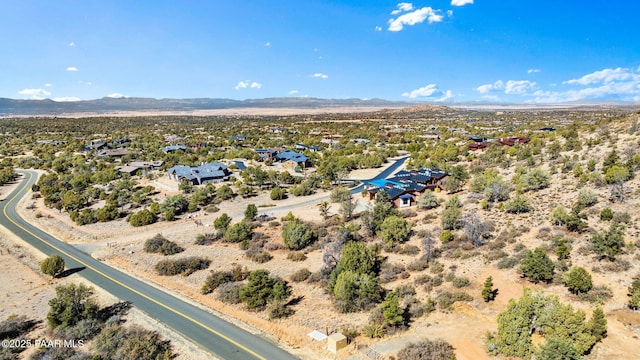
(402, 7)
(604, 76)
(293, 92)
(520, 87)
(66, 99)
(48, 85)
(533, 71)
(430, 90)
(461, 2)
(517, 87)
(268, 44)
(72, 68)
(415, 17)
(487, 88)
(320, 75)
(87, 83)
(378, 28)
(446, 96)
(72, 44)
(449, 13)
(36, 94)
(115, 95)
(248, 84)
(622, 84)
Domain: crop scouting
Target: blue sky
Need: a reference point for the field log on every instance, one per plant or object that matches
(520, 51)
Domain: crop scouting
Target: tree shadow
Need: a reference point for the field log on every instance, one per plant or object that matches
(117, 309)
(69, 272)
(295, 301)
(17, 326)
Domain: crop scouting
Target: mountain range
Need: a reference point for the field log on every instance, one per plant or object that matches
(106, 105)
(16, 107)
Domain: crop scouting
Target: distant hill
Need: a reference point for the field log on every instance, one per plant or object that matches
(9, 107)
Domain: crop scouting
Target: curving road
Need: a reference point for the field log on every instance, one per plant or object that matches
(217, 336)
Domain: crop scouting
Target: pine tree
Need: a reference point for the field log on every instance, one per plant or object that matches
(391, 310)
(537, 266)
(487, 290)
(634, 293)
(53, 265)
(598, 324)
(578, 280)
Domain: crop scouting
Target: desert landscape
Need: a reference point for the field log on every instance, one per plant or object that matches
(437, 269)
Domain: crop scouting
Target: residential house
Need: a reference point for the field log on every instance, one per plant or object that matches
(238, 138)
(514, 140)
(406, 186)
(121, 142)
(361, 141)
(292, 156)
(115, 153)
(140, 167)
(50, 142)
(510, 141)
(266, 154)
(212, 172)
(330, 142)
(312, 148)
(172, 148)
(172, 138)
(398, 193)
(97, 144)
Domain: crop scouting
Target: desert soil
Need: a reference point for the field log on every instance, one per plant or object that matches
(464, 326)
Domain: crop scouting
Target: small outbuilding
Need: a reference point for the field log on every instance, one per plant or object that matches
(336, 342)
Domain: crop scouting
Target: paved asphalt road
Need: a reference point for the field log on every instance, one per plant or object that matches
(217, 336)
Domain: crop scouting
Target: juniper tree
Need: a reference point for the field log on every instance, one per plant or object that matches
(487, 290)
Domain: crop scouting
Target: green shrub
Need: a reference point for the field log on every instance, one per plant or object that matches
(238, 232)
(185, 266)
(300, 275)
(606, 214)
(214, 280)
(297, 256)
(229, 293)
(298, 235)
(428, 350)
(517, 205)
(586, 198)
(394, 230)
(142, 218)
(159, 244)
(460, 282)
(373, 330)
(117, 342)
(578, 280)
(278, 310)
(262, 288)
(446, 236)
(537, 266)
(207, 238)
(446, 299)
(72, 304)
(261, 257)
(52, 266)
(221, 223)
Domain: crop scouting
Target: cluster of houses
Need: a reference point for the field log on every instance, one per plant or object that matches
(406, 186)
(480, 143)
